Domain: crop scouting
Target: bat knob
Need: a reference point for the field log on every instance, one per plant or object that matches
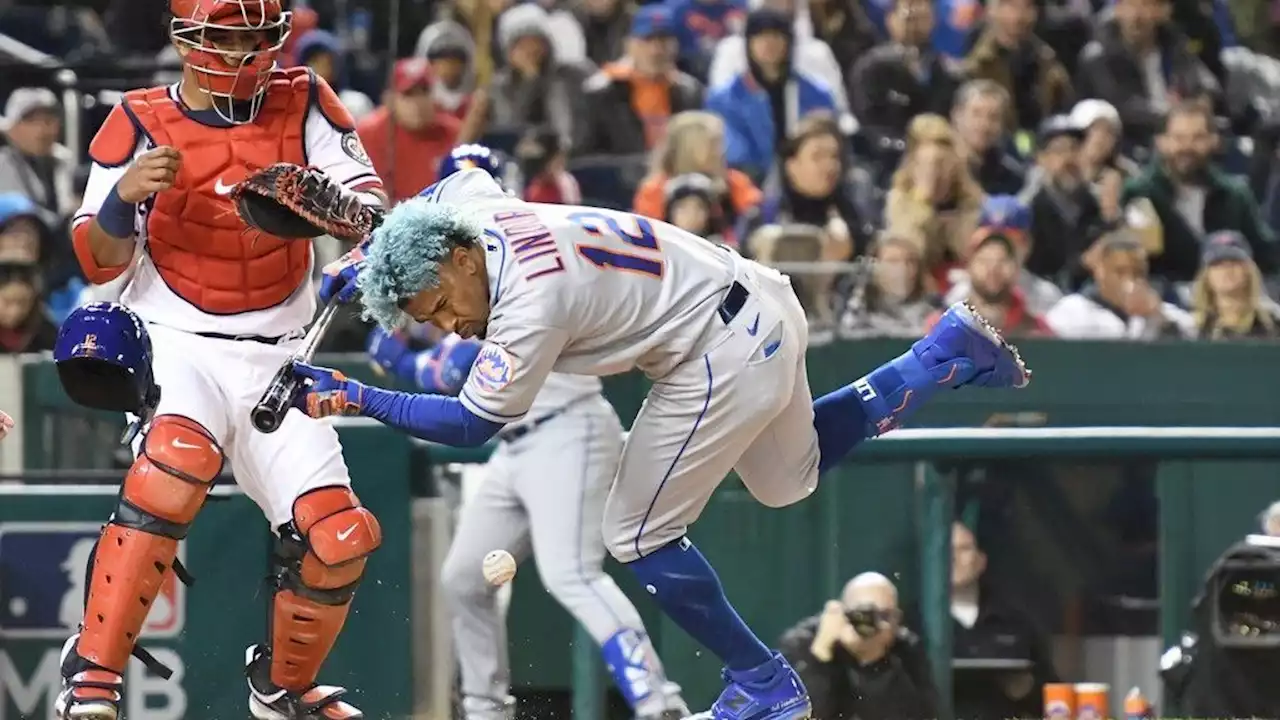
(266, 419)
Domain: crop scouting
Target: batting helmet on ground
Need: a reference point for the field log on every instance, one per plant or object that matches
(103, 355)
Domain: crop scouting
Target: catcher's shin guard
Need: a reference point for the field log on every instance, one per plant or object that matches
(161, 495)
(320, 558)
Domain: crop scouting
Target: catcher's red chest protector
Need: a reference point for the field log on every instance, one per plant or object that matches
(201, 248)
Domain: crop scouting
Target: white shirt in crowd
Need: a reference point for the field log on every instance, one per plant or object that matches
(1080, 317)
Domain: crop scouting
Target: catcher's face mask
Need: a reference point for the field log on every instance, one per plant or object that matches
(460, 302)
(230, 46)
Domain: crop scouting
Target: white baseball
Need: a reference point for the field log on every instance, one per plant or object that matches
(499, 567)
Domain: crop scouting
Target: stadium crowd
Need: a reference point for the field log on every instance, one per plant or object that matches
(1076, 170)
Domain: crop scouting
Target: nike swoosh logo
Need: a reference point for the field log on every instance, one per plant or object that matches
(754, 327)
(342, 536)
(772, 348)
(184, 445)
(222, 188)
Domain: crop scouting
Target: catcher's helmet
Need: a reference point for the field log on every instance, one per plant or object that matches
(233, 74)
(103, 355)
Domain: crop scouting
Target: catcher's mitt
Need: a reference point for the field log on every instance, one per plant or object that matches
(294, 202)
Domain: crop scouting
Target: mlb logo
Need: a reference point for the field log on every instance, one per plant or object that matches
(42, 582)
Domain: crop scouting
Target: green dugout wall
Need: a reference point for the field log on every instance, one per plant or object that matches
(863, 517)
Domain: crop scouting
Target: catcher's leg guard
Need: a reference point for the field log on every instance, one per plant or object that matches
(320, 558)
(161, 495)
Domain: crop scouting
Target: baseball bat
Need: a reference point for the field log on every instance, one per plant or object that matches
(269, 413)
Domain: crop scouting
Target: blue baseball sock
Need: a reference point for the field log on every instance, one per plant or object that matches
(689, 592)
(841, 424)
(872, 405)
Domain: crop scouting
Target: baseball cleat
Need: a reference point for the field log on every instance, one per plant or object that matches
(772, 691)
(268, 701)
(971, 351)
(88, 692)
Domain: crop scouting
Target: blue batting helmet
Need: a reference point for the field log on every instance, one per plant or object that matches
(103, 355)
(465, 157)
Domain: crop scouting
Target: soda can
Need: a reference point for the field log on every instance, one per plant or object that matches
(1092, 702)
(1059, 701)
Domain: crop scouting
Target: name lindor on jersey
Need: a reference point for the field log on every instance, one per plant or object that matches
(531, 242)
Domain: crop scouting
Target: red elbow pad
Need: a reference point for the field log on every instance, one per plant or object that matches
(93, 272)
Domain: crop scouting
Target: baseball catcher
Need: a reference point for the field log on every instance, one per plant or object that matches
(224, 304)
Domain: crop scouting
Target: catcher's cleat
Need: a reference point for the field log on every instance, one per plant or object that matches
(89, 692)
(268, 701)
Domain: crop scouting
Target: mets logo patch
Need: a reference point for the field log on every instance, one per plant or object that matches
(494, 368)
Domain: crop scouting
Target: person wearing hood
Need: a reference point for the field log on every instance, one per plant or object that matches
(632, 99)
(732, 59)
(762, 105)
(607, 25)
(535, 87)
(321, 51)
(448, 47)
(408, 136)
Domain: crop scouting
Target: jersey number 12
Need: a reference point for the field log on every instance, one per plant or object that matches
(647, 261)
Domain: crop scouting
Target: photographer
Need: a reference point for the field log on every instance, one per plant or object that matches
(858, 661)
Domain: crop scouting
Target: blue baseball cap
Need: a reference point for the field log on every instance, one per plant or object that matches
(1005, 212)
(651, 21)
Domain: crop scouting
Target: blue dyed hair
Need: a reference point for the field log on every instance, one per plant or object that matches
(404, 256)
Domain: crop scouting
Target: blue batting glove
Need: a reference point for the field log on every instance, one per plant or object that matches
(389, 354)
(339, 276)
(326, 392)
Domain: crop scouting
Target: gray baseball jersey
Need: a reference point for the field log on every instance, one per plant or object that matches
(598, 292)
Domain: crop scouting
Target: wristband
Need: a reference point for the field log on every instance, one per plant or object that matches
(116, 217)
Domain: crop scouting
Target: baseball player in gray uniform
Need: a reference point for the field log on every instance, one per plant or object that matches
(596, 292)
(543, 493)
(571, 428)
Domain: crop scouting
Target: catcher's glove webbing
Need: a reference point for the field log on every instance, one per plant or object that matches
(293, 202)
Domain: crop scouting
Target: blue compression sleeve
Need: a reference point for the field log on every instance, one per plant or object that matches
(435, 418)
